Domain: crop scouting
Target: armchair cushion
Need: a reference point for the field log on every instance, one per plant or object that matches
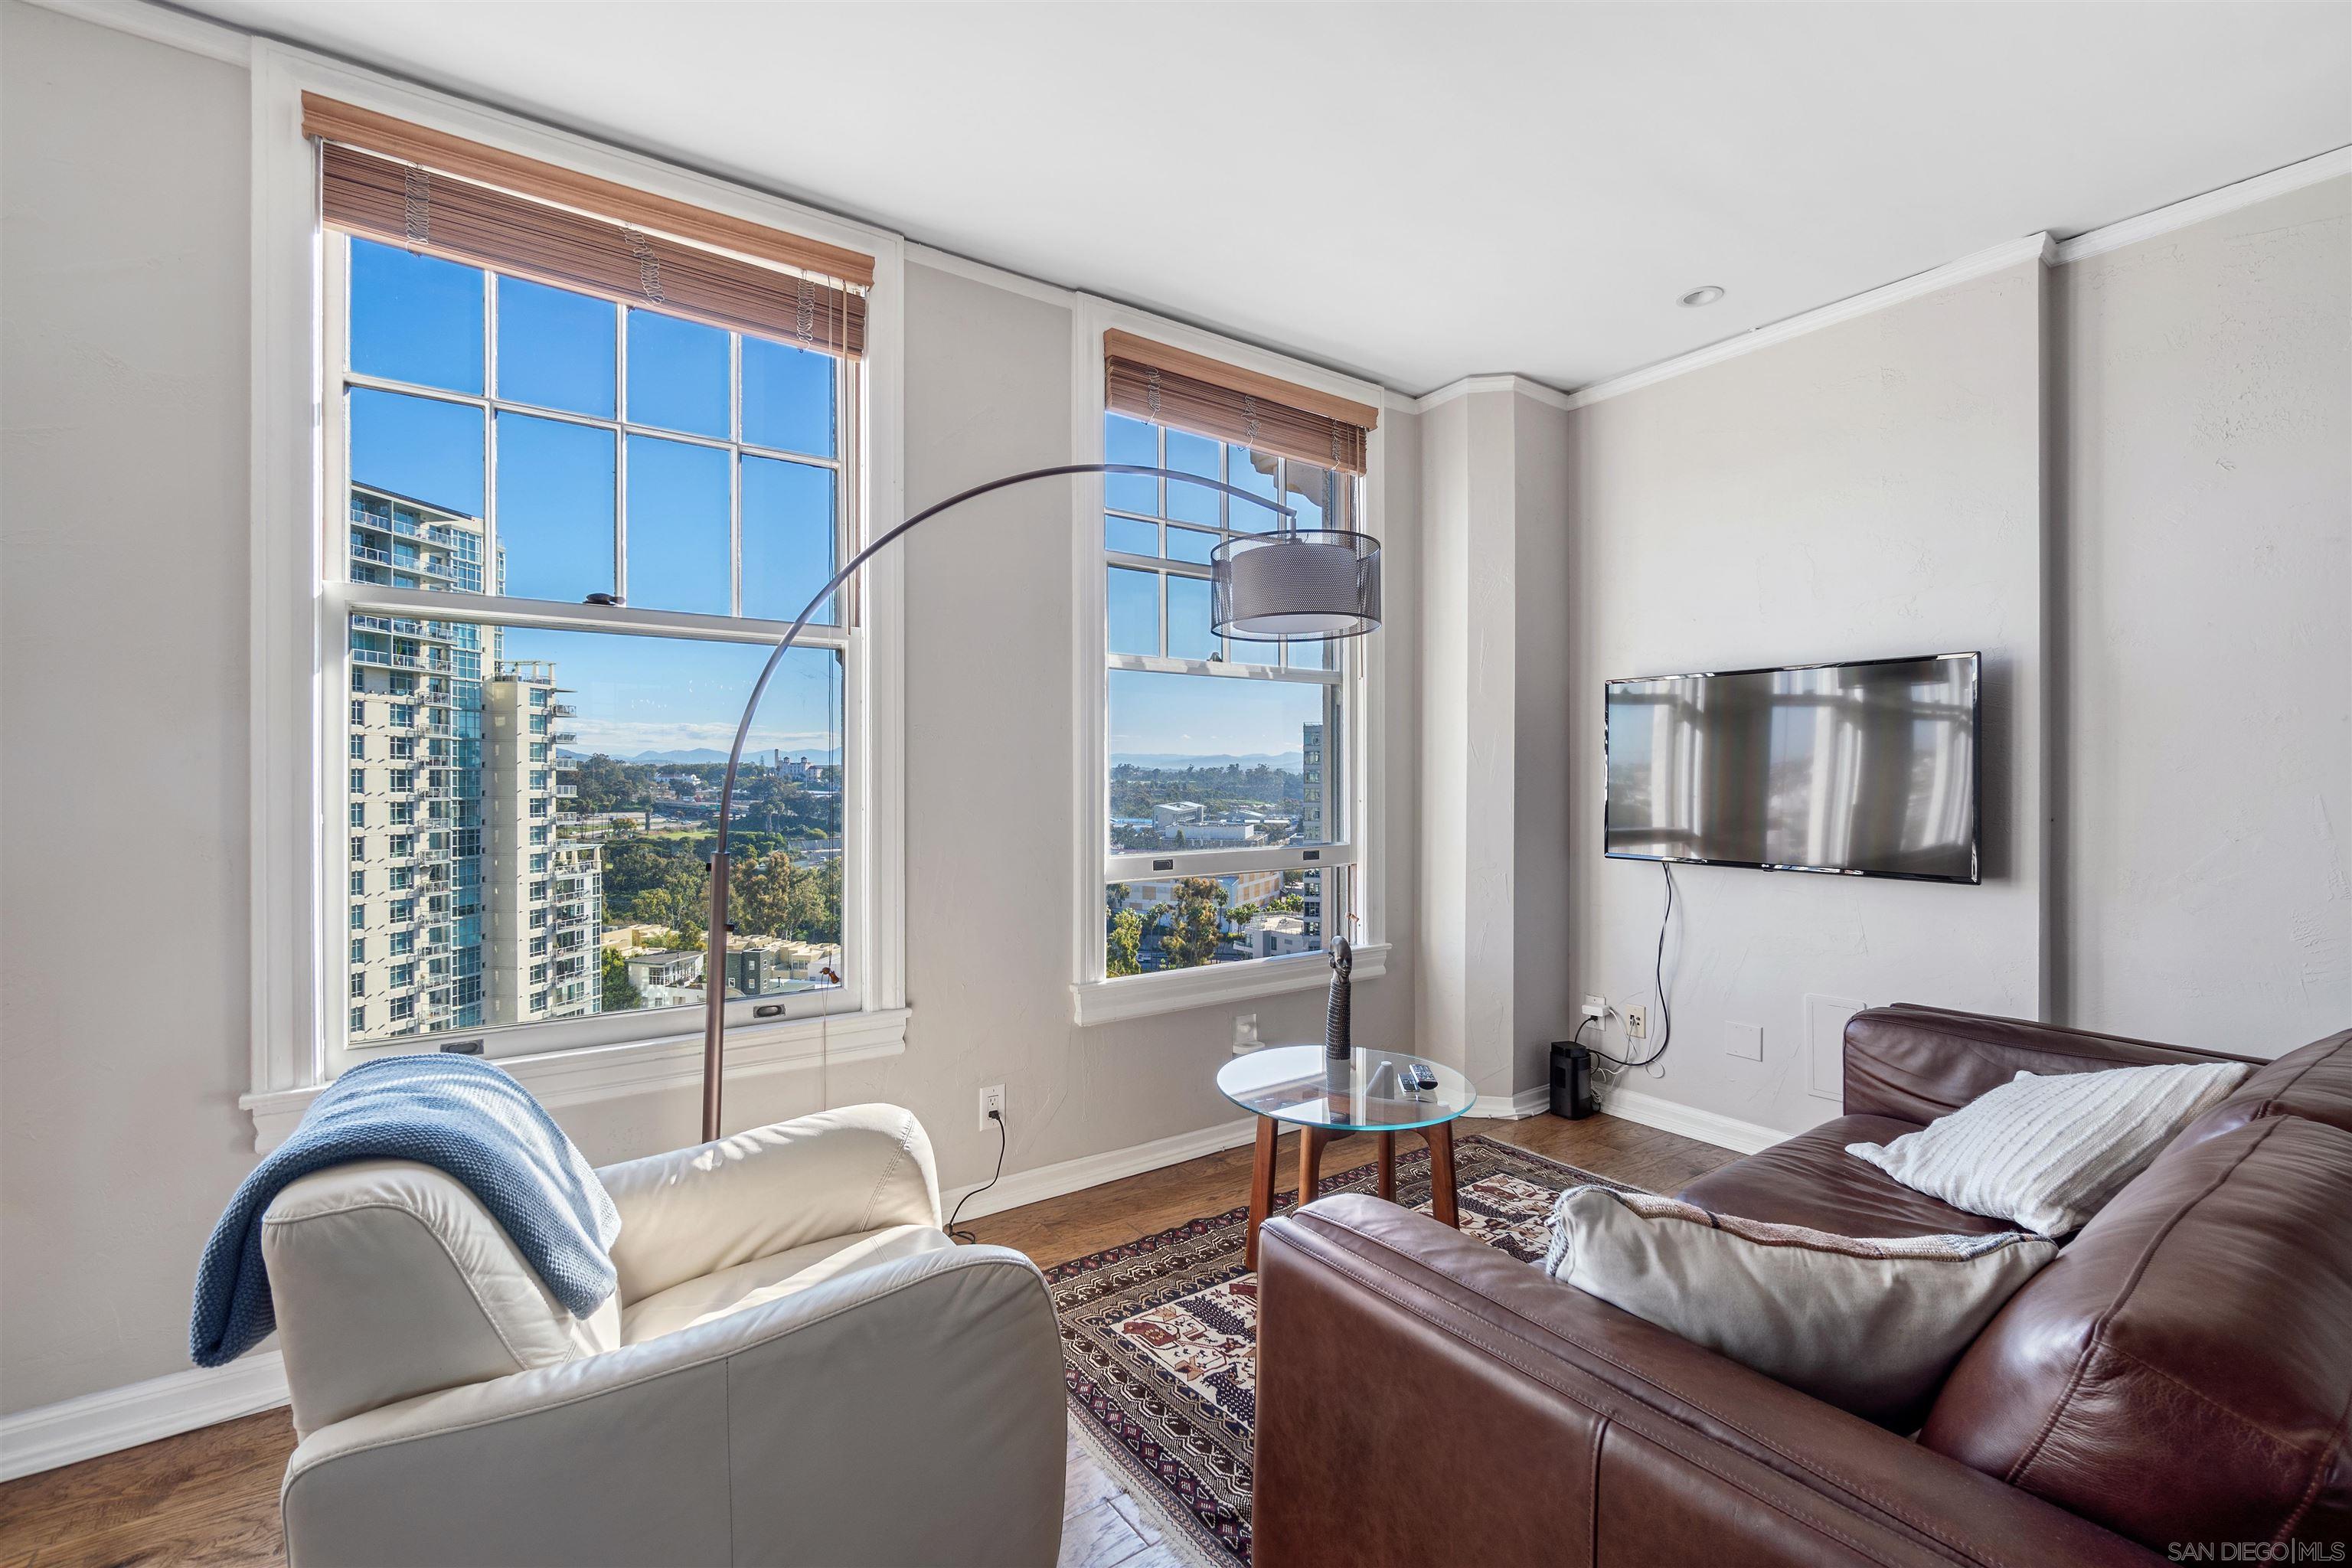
(698, 1211)
(770, 1278)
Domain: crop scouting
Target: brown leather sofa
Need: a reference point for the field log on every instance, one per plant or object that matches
(2174, 1387)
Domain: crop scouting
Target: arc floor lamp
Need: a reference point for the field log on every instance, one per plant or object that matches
(1292, 584)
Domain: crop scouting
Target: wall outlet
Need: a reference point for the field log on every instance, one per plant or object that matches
(990, 1099)
(1637, 1020)
(1746, 1041)
(1596, 1006)
(1245, 1038)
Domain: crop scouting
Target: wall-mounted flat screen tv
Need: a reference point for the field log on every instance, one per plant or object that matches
(1868, 769)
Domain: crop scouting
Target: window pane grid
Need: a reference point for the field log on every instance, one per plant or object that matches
(1226, 827)
(658, 400)
(493, 776)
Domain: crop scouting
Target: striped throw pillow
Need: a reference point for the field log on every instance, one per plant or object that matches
(2048, 1151)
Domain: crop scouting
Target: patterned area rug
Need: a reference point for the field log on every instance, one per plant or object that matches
(1160, 1336)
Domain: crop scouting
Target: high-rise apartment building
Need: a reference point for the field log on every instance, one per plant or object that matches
(1313, 824)
(467, 907)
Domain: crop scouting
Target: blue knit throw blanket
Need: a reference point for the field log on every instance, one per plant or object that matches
(456, 1113)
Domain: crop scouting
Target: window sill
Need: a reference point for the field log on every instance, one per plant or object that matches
(1175, 990)
(589, 1073)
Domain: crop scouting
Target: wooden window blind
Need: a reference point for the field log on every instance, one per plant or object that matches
(1146, 379)
(426, 190)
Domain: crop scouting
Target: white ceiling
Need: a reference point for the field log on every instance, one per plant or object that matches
(1418, 192)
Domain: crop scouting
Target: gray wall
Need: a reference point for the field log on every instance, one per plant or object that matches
(125, 891)
(1872, 489)
(1495, 587)
(123, 958)
(2128, 480)
(2206, 565)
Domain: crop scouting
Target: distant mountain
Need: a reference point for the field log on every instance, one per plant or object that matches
(1281, 762)
(706, 754)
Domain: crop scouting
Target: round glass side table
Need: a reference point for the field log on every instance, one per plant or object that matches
(1373, 1092)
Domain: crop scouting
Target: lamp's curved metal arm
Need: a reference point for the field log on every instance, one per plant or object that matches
(714, 979)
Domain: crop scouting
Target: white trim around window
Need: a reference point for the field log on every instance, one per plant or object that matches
(1095, 999)
(298, 964)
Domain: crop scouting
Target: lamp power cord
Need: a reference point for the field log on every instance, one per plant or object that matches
(1658, 983)
(1003, 1138)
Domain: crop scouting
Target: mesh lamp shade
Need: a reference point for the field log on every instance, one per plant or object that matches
(1302, 585)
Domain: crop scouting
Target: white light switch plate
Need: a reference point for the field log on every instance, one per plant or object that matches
(1746, 1041)
(1825, 1019)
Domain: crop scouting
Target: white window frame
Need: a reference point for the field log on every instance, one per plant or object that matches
(300, 640)
(1094, 997)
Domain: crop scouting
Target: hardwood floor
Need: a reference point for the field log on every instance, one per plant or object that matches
(209, 1499)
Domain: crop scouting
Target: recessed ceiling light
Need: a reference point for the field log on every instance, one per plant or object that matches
(1706, 296)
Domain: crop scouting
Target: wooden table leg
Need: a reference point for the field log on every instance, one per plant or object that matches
(1440, 1173)
(1310, 1162)
(1261, 1196)
(1388, 1166)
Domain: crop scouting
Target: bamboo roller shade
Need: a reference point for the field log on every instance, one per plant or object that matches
(1147, 380)
(430, 192)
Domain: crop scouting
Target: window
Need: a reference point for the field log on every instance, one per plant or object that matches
(795, 415)
(358, 1020)
(403, 1009)
(359, 747)
(359, 916)
(504, 441)
(359, 983)
(359, 949)
(1229, 834)
(359, 780)
(403, 974)
(359, 883)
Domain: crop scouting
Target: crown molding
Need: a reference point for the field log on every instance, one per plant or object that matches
(1012, 282)
(1996, 259)
(161, 24)
(2213, 203)
(1526, 387)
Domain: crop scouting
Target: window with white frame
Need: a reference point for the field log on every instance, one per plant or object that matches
(1230, 836)
(500, 450)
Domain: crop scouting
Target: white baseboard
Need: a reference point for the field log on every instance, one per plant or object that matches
(1512, 1106)
(1667, 1116)
(116, 1419)
(1092, 1170)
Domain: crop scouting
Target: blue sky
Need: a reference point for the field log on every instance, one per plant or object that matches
(422, 320)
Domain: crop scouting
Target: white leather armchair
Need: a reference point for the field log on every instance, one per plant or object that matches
(799, 1367)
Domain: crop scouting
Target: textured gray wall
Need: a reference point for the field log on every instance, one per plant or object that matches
(2205, 562)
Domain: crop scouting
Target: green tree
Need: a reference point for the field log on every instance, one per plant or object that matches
(1191, 941)
(759, 894)
(1124, 943)
(619, 995)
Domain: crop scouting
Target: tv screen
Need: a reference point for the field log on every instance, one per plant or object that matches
(1867, 769)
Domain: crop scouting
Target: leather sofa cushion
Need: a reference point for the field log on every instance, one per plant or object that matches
(765, 1279)
(1812, 1181)
(1919, 1063)
(2315, 1083)
(2182, 1372)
